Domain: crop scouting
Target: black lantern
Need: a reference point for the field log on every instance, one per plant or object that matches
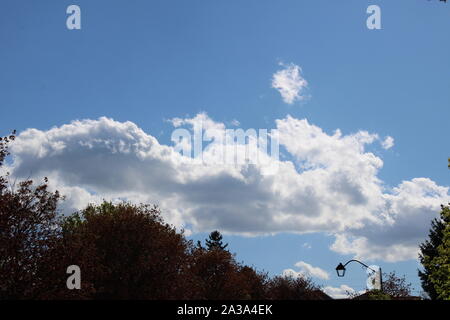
(340, 269)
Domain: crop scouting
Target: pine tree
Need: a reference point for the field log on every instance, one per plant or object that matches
(215, 241)
(433, 252)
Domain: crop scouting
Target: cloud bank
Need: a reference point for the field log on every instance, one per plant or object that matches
(327, 183)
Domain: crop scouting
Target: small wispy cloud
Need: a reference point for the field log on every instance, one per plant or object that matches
(388, 143)
(289, 83)
(235, 123)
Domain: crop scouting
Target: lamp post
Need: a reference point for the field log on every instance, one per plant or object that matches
(340, 270)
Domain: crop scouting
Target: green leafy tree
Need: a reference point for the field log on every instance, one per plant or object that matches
(435, 256)
(440, 264)
(215, 241)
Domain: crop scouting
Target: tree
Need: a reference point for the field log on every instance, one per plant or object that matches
(215, 241)
(217, 275)
(395, 286)
(291, 288)
(4, 145)
(124, 251)
(28, 229)
(439, 265)
(371, 295)
(253, 283)
(433, 253)
(441, 275)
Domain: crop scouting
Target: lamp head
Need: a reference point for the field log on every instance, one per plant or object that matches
(340, 269)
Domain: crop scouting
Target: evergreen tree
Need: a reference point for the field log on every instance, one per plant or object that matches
(440, 264)
(433, 253)
(215, 241)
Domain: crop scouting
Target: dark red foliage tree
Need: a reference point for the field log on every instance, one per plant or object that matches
(291, 288)
(28, 229)
(125, 251)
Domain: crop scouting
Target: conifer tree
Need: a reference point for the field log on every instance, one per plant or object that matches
(434, 256)
(215, 241)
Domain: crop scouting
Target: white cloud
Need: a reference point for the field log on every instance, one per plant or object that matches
(406, 218)
(235, 123)
(341, 292)
(328, 183)
(388, 143)
(289, 83)
(306, 270)
(306, 245)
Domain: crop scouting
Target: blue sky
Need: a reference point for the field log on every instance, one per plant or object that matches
(150, 61)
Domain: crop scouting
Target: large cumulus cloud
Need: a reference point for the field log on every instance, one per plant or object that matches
(326, 183)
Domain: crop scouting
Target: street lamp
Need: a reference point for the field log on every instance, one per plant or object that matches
(340, 270)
